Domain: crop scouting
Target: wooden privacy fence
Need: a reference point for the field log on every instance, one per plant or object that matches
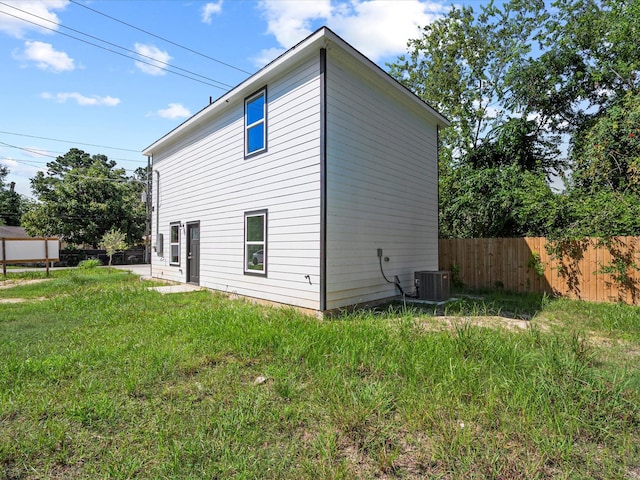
(589, 269)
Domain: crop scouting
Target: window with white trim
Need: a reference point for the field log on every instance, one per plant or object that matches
(255, 242)
(255, 126)
(175, 244)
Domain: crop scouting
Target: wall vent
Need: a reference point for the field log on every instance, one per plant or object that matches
(434, 286)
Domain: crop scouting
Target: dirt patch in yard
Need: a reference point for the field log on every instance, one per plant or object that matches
(17, 283)
(489, 321)
(493, 321)
(21, 300)
(618, 348)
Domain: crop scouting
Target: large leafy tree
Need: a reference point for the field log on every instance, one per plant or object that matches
(494, 159)
(588, 61)
(83, 196)
(498, 200)
(603, 213)
(512, 80)
(604, 191)
(516, 141)
(12, 203)
(461, 65)
(606, 154)
(586, 83)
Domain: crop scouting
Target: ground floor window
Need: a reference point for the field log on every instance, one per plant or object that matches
(175, 244)
(255, 242)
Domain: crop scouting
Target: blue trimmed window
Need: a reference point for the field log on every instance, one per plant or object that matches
(255, 114)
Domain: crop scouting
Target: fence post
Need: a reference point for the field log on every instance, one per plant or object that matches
(46, 255)
(4, 258)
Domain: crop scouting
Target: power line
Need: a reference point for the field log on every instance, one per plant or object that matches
(160, 38)
(34, 162)
(115, 45)
(224, 87)
(31, 163)
(75, 143)
(37, 152)
(66, 216)
(79, 175)
(48, 153)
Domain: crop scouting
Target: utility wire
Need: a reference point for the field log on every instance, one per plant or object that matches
(79, 175)
(224, 87)
(50, 153)
(75, 143)
(159, 37)
(114, 45)
(110, 43)
(30, 150)
(73, 217)
(34, 162)
(31, 163)
(41, 153)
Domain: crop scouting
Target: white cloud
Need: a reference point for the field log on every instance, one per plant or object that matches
(36, 152)
(83, 100)
(377, 28)
(175, 110)
(152, 54)
(267, 55)
(21, 172)
(46, 57)
(211, 9)
(382, 28)
(290, 22)
(10, 163)
(29, 10)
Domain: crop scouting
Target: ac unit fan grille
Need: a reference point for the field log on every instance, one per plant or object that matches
(433, 286)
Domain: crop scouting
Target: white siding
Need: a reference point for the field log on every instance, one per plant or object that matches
(382, 189)
(204, 177)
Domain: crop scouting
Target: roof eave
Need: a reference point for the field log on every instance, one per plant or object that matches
(322, 37)
(240, 91)
(440, 119)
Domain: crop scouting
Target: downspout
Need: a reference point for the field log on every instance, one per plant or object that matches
(438, 190)
(147, 215)
(157, 189)
(323, 179)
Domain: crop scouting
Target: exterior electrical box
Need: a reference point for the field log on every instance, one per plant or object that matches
(159, 246)
(434, 286)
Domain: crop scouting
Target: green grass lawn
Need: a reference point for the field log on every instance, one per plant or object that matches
(102, 378)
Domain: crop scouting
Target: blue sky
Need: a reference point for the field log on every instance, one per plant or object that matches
(60, 92)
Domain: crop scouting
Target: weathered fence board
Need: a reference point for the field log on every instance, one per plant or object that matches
(589, 269)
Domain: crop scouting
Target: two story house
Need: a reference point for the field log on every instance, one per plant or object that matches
(313, 183)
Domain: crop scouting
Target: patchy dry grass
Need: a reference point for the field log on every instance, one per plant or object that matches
(105, 379)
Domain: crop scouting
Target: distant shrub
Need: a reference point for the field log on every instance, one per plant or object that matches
(91, 263)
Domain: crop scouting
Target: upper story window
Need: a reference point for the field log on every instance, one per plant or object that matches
(175, 244)
(255, 123)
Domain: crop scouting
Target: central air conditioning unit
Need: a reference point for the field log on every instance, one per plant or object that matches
(433, 286)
